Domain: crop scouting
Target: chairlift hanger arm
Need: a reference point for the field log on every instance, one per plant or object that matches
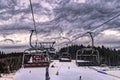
(90, 33)
(30, 41)
(53, 43)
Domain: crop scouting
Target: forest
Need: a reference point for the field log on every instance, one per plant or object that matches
(110, 57)
(10, 62)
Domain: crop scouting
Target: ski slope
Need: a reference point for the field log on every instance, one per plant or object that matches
(65, 71)
(69, 71)
(30, 74)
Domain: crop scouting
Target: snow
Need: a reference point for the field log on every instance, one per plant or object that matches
(117, 73)
(30, 74)
(69, 71)
(65, 59)
(82, 61)
(6, 79)
(66, 71)
(7, 76)
(100, 68)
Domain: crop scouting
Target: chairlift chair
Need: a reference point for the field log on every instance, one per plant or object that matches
(35, 58)
(87, 57)
(65, 57)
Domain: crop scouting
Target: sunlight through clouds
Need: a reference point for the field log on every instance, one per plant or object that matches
(111, 32)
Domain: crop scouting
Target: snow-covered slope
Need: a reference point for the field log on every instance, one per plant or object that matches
(7, 76)
(69, 71)
(30, 74)
(65, 71)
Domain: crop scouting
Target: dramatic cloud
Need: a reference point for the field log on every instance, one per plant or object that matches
(60, 18)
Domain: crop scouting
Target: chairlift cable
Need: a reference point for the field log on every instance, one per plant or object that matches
(103, 24)
(107, 21)
(34, 22)
(99, 25)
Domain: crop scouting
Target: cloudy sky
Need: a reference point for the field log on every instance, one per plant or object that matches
(59, 20)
